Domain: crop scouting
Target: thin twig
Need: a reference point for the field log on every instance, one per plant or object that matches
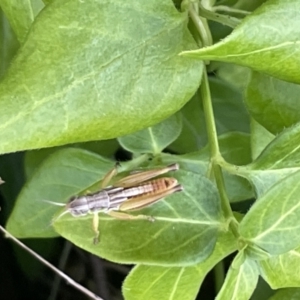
(57, 271)
(223, 19)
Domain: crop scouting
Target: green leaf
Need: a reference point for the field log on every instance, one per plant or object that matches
(229, 110)
(34, 158)
(260, 138)
(235, 75)
(21, 14)
(256, 253)
(261, 42)
(272, 102)
(184, 231)
(248, 5)
(235, 148)
(8, 44)
(279, 159)
(240, 281)
(193, 135)
(86, 73)
(62, 175)
(287, 294)
(282, 271)
(273, 222)
(153, 139)
(47, 1)
(153, 282)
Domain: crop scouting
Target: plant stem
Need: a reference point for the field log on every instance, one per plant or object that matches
(223, 19)
(215, 153)
(209, 115)
(201, 26)
(231, 10)
(211, 128)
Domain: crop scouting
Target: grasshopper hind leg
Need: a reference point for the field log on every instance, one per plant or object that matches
(108, 177)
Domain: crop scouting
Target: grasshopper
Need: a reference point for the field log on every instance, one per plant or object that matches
(135, 191)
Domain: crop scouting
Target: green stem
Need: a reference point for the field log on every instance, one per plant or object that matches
(215, 153)
(231, 10)
(209, 115)
(225, 20)
(201, 26)
(211, 127)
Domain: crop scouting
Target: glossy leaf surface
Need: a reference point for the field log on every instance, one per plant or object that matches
(273, 222)
(272, 102)
(153, 139)
(153, 282)
(240, 281)
(282, 271)
(86, 73)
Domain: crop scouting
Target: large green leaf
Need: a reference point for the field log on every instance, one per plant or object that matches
(153, 282)
(96, 70)
(282, 271)
(272, 102)
(273, 222)
(261, 42)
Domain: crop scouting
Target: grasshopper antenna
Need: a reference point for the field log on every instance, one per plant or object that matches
(54, 269)
(54, 203)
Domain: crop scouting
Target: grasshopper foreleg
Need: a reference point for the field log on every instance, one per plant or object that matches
(96, 228)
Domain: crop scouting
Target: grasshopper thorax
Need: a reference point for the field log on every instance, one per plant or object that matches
(78, 206)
